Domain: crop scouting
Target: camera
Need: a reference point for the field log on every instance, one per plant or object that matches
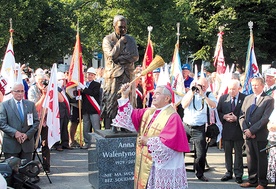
(18, 173)
(196, 89)
(26, 70)
(45, 82)
(47, 72)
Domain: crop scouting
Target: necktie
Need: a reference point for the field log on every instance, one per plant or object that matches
(20, 111)
(233, 104)
(252, 107)
(87, 84)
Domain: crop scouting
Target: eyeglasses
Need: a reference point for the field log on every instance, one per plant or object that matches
(19, 91)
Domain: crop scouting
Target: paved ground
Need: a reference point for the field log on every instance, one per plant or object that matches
(69, 170)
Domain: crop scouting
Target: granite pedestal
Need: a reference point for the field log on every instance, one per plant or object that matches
(111, 160)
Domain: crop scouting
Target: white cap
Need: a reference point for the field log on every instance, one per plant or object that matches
(39, 71)
(91, 70)
(271, 72)
(60, 75)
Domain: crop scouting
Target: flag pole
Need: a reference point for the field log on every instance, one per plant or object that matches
(79, 94)
(246, 84)
(11, 29)
(80, 118)
(174, 66)
(11, 39)
(177, 45)
(40, 127)
(178, 33)
(150, 28)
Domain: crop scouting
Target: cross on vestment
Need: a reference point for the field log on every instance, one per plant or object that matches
(155, 128)
(151, 121)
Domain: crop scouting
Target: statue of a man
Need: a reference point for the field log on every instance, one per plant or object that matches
(120, 53)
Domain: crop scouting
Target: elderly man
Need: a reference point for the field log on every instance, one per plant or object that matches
(195, 104)
(37, 94)
(255, 113)
(270, 81)
(90, 106)
(161, 140)
(19, 122)
(120, 53)
(229, 108)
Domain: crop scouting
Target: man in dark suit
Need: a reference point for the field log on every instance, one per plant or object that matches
(19, 122)
(90, 105)
(229, 108)
(255, 112)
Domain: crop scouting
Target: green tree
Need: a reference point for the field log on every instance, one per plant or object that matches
(43, 33)
(234, 16)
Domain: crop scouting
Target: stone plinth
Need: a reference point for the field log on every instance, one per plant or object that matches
(111, 160)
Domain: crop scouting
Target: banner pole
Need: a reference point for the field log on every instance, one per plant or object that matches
(40, 127)
(80, 118)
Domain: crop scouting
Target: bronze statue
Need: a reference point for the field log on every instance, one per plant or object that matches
(120, 53)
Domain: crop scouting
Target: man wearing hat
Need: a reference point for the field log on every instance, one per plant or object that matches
(186, 69)
(270, 81)
(90, 105)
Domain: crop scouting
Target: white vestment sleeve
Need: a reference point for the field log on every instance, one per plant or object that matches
(123, 117)
(168, 168)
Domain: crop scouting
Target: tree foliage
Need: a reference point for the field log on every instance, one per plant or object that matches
(42, 31)
(234, 15)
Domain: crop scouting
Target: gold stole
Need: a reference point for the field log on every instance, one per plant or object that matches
(143, 161)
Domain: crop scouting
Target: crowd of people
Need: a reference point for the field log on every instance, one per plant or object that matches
(164, 131)
(248, 125)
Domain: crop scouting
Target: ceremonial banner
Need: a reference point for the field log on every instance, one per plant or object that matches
(148, 84)
(251, 69)
(19, 78)
(7, 70)
(52, 108)
(75, 77)
(164, 78)
(219, 61)
(196, 73)
(177, 81)
(219, 64)
(76, 74)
